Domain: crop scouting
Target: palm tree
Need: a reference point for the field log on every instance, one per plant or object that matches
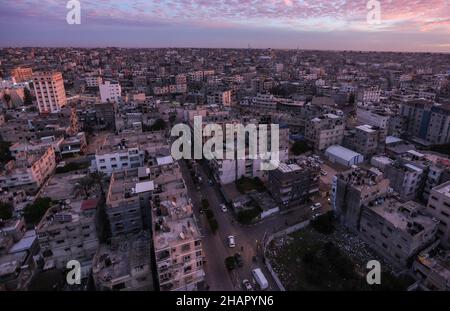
(85, 184)
(99, 178)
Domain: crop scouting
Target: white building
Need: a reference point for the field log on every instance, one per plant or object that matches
(110, 91)
(343, 156)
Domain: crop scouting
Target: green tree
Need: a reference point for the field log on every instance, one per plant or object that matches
(230, 263)
(34, 212)
(99, 178)
(85, 184)
(159, 125)
(27, 99)
(6, 211)
(5, 155)
(300, 147)
(7, 98)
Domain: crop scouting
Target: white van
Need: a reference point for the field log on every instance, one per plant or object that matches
(260, 279)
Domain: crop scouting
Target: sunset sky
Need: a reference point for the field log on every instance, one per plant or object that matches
(415, 25)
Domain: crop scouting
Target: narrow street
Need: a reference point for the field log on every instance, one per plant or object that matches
(248, 238)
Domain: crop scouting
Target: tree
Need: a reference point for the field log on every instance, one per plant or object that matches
(99, 178)
(34, 212)
(324, 223)
(7, 98)
(85, 184)
(230, 263)
(5, 155)
(247, 216)
(213, 224)
(27, 99)
(300, 147)
(159, 125)
(6, 211)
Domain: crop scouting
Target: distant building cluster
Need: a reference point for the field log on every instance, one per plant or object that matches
(87, 174)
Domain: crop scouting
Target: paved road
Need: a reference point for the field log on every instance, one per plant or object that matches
(248, 238)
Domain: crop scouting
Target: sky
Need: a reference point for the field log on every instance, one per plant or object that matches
(405, 25)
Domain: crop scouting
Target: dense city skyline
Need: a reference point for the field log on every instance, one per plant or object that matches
(410, 26)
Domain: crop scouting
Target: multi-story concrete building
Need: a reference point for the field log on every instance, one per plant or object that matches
(427, 121)
(93, 80)
(397, 230)
(353, 188)
(68, 232)
(432, 268)
(127, 201)
(364, 139)
(29, 170)
(439, 207)
(176, 237)
(125, 264)
(22, 74)
(365, 114)
(49, 91)
(407, 179)
(293, 184)
(219, 97)
(325, 131)
(110, 91)
(119, 152)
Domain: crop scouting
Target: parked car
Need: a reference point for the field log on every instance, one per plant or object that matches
(239, 260)
(316, 206)
(224, 208)
(247, 285)
(231, 242)
(210, 182)
(316, 215)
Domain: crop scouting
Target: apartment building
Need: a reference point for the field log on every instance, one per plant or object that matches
(219, 97)
(293, 184)
(432, 268)
(127, 201)
(405, 178)
(439, 207)
(427, 121)
(325, 131)
(398, 230)
(22, 74)
(49, 91)
(124, 265)
(117, 153)
(364, 139)
(110, 91)
(370, 115)
(438, 173)
(352, 189)
(93, 81)
(29, 170)
(176, 238)
(68, 232)
(369, 94)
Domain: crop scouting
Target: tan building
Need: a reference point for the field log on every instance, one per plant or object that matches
(22, 74)
(49, 91)
(125, 264)
(29, 170)
(397, 230)
(67, 232)
(176, 238)
(325, 131)
(439, 207)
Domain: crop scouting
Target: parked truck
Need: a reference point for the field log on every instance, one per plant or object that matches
(260, 279)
